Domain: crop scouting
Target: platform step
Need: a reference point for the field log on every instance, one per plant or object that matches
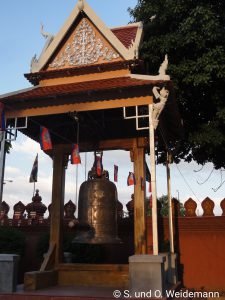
(116, 275)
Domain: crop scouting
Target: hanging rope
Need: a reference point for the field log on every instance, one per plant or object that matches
(78, 133)
(170, 153)
(85, 166)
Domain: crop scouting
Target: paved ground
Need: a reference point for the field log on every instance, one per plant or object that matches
(66, 293)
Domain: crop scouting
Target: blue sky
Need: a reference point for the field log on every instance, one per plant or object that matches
(20, 40)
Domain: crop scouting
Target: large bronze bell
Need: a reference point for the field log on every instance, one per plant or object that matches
(97, 208)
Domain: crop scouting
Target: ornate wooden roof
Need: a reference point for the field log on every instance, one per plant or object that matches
(89, 69)
(84, 39)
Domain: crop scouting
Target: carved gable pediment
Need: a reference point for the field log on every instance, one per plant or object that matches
(85, 46)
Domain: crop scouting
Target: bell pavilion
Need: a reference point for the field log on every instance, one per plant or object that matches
(94, 75)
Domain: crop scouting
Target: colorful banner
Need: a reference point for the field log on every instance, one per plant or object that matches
(116, 173)
(34, 171)
(131, 179)
(45, 139)
(75, 156)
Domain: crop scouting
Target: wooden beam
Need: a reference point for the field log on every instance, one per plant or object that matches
(49, 259)
(140, 239)
(117, 144)
(71, 107)
(58, 188)
(85, 77)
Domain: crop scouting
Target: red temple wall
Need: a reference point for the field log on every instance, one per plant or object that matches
(200, 244)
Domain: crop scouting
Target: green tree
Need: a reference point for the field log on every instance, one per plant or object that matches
(165, 206)
(192, 34)
(164, 210)
(12, 241)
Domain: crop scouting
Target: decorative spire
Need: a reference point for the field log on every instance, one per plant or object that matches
(46, 35)
(80, 4)
(49, 38)
(162, 72)
(36, 206)
(162, 95)
(164, 66)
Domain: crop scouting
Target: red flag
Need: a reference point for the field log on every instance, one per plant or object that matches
(131, 179)
(98, 165)
(75, 156)
(45, 139)
(115, 173)
(2, 117)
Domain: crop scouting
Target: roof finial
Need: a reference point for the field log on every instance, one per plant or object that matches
(43, 33)
(164, 66)
(80, 4)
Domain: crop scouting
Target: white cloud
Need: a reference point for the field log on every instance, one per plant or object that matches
(26, 146)
(11, 171)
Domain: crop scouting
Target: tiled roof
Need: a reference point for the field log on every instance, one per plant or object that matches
(77, 88)
(126, 34)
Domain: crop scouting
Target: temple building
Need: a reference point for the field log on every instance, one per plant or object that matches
(91, 87)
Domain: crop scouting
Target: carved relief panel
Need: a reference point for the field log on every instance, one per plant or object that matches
(84, 47)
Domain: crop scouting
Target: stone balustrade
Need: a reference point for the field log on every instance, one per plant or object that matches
(33, 213)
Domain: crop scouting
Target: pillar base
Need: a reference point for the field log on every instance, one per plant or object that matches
(8, 272)
(147, 275)
(172, 277)
(170, 268)
(37, 280)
